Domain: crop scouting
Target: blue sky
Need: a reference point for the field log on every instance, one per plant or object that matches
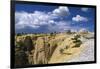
(46, 18)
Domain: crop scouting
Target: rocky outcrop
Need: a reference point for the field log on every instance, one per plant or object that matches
(36, 49)
(40, 53)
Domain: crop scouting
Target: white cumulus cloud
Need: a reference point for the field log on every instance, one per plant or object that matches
(51, 20)
(79, 18)
(34, 20)
(61, 11)
(38, 18)
(60, 26)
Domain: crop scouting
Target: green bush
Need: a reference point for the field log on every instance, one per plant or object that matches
(66, 47)
(78, 44)
(61, 51)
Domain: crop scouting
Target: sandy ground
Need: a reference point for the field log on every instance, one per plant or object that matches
(87, 54)
(84, 53)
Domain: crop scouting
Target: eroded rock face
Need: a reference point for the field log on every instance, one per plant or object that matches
(21, 58)
(40, 53)
(53, 46)
(38, 49)
(23, 50)
(30, 58)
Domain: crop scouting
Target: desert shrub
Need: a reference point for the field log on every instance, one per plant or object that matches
(51, 34)
(68, 53)
(73, 38)
(78, 44)
(19, 45)
(77, 36)
(18, 34)
(61, 51)
(68, 32)
(66, 47)
(76, 41)
(34, 38)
